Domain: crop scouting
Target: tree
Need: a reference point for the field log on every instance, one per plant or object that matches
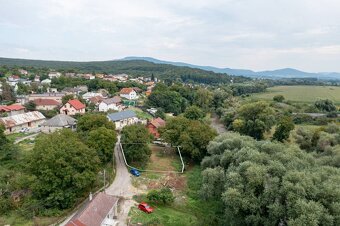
(63, 167)
(152, 77)
(162, 196)
(160, 113)
(66, 98)
(170, 101)
(103, 140)
(89, 122)
(135, 141)
(30, 106)
(7, 150)
(194, 113)
(265, 183)
(283, 129)
(192, 136)
(278, 98)
(254, 119)
(203, 99)
(7, 92)
(325, 105)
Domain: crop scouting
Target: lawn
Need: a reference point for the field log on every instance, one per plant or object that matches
(307, 94)
(187, 209)
(164, 159)
(140, 114)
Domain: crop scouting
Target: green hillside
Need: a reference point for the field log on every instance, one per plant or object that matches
(131, 67)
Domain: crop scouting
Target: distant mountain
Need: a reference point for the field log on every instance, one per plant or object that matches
(280, 73)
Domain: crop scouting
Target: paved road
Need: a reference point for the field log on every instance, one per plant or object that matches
(217, 125)
(122, 186)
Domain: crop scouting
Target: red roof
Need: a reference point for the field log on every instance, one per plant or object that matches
(126, 90)
(76, 104)
(94, 212)
(13, 107)
(42, 102)
(158, 122)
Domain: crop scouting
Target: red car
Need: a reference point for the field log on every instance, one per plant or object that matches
(145, 207)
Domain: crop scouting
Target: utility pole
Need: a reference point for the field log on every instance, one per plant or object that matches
(104, 180)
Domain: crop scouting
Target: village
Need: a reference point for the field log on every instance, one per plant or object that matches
(17, 118)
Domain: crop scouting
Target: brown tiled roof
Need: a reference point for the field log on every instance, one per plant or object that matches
(94, 212)
(158, 122)
(96, 99)
(126, 90)
(13, 107)
(43, 102)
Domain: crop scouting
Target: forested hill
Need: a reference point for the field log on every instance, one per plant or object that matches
(131, 67)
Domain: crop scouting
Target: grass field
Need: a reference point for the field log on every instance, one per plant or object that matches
(302, 93)
(164, 159)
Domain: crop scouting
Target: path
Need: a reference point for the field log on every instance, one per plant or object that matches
(24, 138)
(217, 125)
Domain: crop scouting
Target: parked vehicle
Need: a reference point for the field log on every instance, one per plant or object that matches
(24, 130)
(135, 172)
(145, 207)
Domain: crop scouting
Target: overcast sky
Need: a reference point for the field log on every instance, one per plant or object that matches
(247, 34)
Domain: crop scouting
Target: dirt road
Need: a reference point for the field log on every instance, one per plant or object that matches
(217, 125)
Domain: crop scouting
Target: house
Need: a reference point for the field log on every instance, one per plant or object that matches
(88, 95)
(82, 88)
(70, 74)
(153, 126)
(123, 118)
(36, 78)
(58, 122)
(70, 91)
(73, 107)
(46, 82)
(128, 93)
(23, 72)
(54, 75)
(137, 89)
(89, 76)
(99, 211)
(51, 96)
(96, 100)
(46, 104)
(113, 103)
(14, 109)
(15, 123)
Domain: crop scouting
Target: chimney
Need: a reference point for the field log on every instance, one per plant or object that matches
(90, 196)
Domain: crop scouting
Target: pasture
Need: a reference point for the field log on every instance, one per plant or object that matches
(307, 94)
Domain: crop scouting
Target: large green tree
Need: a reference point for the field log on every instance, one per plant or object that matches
(254, 119)
(89, 122)
(135, 141)
(64, 168)
(170, 101)
(283, 129)
(192, 136)
(265, 183)
(102, 140)
(194, 113)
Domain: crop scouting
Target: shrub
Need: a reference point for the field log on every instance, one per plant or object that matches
(163, 196)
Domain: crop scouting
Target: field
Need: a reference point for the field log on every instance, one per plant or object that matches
(302, 93)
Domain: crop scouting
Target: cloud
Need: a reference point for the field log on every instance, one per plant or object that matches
(255, 34)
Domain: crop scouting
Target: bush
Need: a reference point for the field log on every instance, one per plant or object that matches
(163, 196)
(278, 98)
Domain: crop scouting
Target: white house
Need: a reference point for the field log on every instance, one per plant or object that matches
(46, 82)
(123, 118)
(128, 93)
(111, 104)
(54, 75)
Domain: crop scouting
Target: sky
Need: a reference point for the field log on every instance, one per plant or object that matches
(245, 34)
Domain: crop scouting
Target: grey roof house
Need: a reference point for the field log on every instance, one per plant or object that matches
(58, 122)
(123, 118)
